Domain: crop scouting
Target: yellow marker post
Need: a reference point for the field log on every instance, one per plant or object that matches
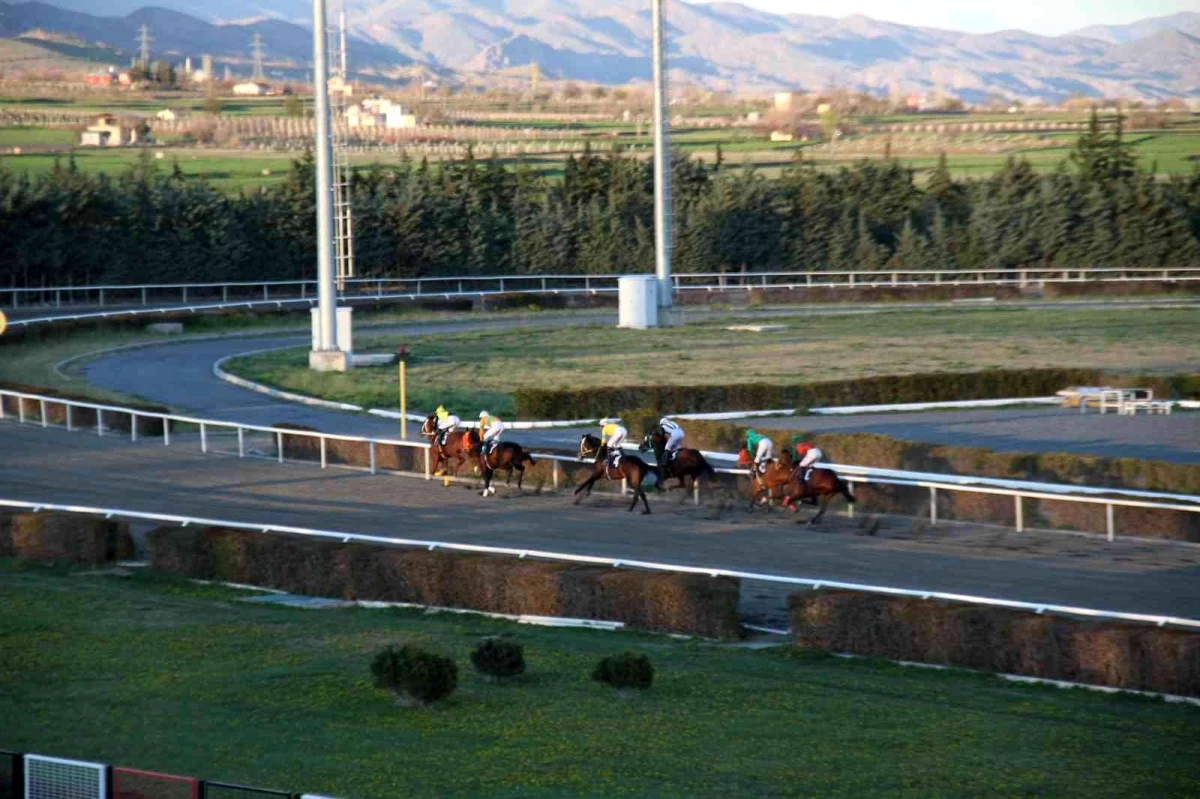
(3, 323)
(403, 404)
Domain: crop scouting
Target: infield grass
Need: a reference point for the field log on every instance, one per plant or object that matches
(467, 371)
(154, 672)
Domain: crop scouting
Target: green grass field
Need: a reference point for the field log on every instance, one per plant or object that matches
(466, 371)
(37, 137)
(157, 673)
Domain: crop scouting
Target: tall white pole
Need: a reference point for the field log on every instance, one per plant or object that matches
(662, 161)
(326, 296)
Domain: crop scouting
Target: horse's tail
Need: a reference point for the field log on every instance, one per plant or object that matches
(844, 489)
(708, 469)
(526, 457)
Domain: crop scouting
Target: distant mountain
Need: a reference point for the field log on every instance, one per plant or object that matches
(177, 35)
(722, 45)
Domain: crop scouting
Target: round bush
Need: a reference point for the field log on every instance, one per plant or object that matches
(413, 674)
(499, 659)
(625, 671)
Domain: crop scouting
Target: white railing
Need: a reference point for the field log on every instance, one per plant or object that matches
(1020, 491)
(616, 563)
(252, 293)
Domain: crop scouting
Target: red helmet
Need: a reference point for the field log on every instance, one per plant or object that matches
(802, 448)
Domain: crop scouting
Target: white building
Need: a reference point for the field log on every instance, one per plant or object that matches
(167, 115)
(376, 112)
(251, 88)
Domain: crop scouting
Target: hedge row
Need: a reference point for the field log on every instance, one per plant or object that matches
(59, 537)
(677, 603)
(1134, 656)
(538, 403)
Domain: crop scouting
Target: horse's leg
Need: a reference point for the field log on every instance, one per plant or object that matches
(587, 484)
(645, 502)
(823, 503)
(520, 476)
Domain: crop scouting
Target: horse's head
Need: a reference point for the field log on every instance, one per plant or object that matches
(429, 427)
(646, 444)
(472, 440)
(588, 445)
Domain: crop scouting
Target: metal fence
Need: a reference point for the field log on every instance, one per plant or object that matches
(32, 776)
(201, 296)
(257, 441)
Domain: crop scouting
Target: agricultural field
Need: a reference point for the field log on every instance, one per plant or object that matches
(26, 137)
(470, 370)
(156, 672)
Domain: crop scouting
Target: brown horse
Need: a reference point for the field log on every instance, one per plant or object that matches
(767, 485)
(687, 463)
(455, 446)
(630, 468)
(820, 485)
(505, 455)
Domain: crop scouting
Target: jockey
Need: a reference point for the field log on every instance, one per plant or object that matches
(761, 447)
(490, 429)
(447, 423)
(674, 434)
(809, 456)
(612, 434)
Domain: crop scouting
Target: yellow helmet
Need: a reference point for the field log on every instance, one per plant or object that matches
(441, 412)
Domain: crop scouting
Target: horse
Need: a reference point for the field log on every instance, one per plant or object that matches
(782, 480)
(768, 484)
(505, 455)
(629, 467)
(686, 463)
(455, 446)
(820, 485)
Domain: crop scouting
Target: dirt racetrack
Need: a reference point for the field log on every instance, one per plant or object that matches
(52, 465)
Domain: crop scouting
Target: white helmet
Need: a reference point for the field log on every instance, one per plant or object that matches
(484, 414)
(607, 420)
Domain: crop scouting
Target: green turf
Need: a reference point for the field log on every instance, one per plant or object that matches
(37, 137)
(467, 371)
(155, 673)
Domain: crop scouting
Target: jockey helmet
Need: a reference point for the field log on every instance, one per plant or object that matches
(484, 414)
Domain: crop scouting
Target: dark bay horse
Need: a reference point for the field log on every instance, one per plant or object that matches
(455, 446)
(783, 480)
(687, 463)
(505, 455)
(629, 467)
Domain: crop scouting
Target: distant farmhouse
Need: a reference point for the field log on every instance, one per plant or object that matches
(108, 131)
(376, 112)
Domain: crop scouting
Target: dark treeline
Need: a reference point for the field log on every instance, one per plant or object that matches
(470, 217)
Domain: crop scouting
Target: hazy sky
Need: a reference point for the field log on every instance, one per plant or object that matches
(1047, 17)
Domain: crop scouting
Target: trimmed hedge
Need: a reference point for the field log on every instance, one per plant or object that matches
(538, 403)
(1134, 656)
(679, 603)
(59, 537)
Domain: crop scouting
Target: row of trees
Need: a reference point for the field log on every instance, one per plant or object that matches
(472, 217)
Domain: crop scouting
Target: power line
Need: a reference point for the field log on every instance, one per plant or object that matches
(258, 57)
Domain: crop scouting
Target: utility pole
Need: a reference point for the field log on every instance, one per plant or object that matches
(662, 161)
(258, 58)
(325, 355)
(144, 39)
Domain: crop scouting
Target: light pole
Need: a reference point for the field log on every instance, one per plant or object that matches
(662, 161)
(325, 355)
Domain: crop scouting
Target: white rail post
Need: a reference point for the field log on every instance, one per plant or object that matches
(1020, 509)
(66, 406)
(266, 292)
(241, 442)
(1108, 518)
(203, 437)
(21, 410)
(428, 476)
(322, 452)
(371, 451)
(279, 445)
(933, 504)
(624, 486)
(695, 492)
(42, 410)
(185, 295)
(166, 432)
(101, 298)
(132, 426)
(554, 474)
(2, 406)
(144, 295)
(224, 293)
(99, 422)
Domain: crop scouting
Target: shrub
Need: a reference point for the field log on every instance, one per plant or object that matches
(414, 675)
(498, 659)
(625, 671)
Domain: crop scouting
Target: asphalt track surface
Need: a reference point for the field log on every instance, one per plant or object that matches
(52, 465)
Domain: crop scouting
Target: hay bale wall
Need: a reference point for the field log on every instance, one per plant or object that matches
(1121, 655)
(64, 537)
(678, 603)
